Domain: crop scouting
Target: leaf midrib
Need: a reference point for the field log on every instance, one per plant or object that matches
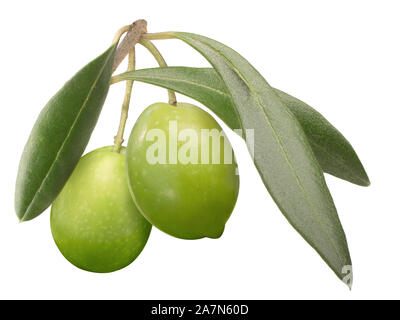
(279, 143)
(68, 135)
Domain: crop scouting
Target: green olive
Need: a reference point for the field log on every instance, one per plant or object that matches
(183, 181)
(94, 220)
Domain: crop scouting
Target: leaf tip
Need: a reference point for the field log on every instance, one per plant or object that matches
(21, 218)
(363, 181)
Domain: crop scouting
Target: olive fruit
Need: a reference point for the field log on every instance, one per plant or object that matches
(181, 170)
(94, 221)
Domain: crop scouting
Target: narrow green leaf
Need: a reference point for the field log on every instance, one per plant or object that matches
(334, 153)
(282, 154)
(60, 136)
(201, 84)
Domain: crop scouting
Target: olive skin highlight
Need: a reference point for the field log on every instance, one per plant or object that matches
(94, 221)
(186, 200)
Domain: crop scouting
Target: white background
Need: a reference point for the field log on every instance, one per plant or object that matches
(341, 57)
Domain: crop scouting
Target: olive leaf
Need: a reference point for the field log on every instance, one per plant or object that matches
(282, 154)
(201, 84)
(334, 153)
(60, 136)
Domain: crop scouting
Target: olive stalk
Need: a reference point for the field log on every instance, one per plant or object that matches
(157, 36)
(119, 138)
(132, 37)
(120, 33)
(161, 62)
